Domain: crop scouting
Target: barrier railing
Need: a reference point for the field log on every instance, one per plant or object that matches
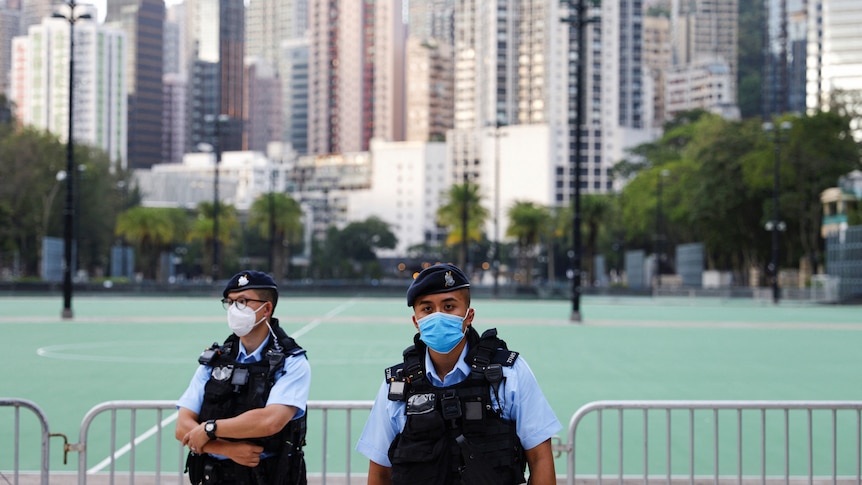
(44, 467)
(829, 450)
(692, 442)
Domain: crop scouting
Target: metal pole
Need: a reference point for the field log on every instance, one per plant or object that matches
(496, 262)
(69, 211)
(580, 115)
(272, 223)
(658, 235)
(215, 266)
(775, 225)
(464, 218)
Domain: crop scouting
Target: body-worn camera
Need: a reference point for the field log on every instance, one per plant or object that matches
(209, 354)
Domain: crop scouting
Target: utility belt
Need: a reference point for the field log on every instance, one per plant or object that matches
(204, 469)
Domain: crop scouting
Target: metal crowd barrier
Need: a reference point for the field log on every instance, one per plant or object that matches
(628, 441)
(801, 441)
(17, 404)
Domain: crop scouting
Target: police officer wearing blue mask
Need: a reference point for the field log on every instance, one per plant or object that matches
(243, 414)
(461, 408)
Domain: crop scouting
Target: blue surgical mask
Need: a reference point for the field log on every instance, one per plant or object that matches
(440, 331)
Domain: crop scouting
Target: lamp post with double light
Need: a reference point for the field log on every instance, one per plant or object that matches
(776, 225)
(69, 211)
(497, 134)
(217, 122)
(659, 235)
(578, 17)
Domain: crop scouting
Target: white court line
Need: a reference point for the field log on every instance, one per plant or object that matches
(317, 321)
(125, 449)
(173, 417)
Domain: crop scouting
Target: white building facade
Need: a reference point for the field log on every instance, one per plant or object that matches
(40, 84)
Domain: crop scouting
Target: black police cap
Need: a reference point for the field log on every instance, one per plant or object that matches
(250, 280)
(439, 278)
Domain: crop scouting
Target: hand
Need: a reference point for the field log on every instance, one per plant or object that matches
(196, 438)
(244, 453)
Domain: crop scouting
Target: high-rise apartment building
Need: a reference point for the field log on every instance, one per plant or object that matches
(33, 11)
(263, 105)
(294, 76)
(429, 66)
(270, 26)
(214, 50)
(356, 75)
(10, 20)
(834, 55)
(784, 64)
(657, 60)
(143, 22)
(40, 83)
(706, 29)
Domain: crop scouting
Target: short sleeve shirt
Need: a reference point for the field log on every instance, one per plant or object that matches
(291, 386)
(521, 401)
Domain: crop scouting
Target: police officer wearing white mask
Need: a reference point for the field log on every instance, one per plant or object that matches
(243, 414)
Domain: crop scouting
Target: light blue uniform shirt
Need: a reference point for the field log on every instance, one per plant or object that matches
(522, 401)
(291, 383)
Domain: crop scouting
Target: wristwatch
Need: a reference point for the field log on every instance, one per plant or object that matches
(210, 428)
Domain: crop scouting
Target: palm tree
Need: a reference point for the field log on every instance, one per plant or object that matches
(595, 209)
(527, 222)
(462, 208)
(202, 229)
(152, 230)
(278, 218)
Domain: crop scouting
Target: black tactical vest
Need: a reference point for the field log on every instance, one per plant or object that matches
(454, 435)
(235, 388)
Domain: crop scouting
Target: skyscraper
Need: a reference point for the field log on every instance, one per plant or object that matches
(40, 90)
(356, 75)
(143, 22)
(214, 51)
(276, 31)
(706, 29)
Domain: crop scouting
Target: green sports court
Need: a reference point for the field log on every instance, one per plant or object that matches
(626, 348)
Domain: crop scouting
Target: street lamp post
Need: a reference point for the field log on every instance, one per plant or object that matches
(497, 134)
(659, 236)
(580, 20)
(217, 121)
(775, 225)
(69, 210)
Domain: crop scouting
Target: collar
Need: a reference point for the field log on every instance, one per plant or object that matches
(244, 358)
(456, 375)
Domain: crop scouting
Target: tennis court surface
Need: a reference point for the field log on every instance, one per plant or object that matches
(146, 348)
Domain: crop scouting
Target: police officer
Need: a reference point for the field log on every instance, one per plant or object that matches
(461, 408)
(243, 414)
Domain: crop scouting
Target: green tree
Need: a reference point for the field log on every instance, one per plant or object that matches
(527, 222)
(152, 231)
(462, 201)
(352, 252)
(818, 150)
(31, 195)
(281, 213)
(595, 209)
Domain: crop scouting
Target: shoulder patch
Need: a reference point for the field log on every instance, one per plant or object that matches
(505, 357)
(392, 372)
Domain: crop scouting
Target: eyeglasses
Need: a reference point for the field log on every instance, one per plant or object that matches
(240, 302)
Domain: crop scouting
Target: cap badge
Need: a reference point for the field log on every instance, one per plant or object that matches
(243, 280)
(448, 279)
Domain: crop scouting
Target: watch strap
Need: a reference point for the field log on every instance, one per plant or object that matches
(210, 428)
